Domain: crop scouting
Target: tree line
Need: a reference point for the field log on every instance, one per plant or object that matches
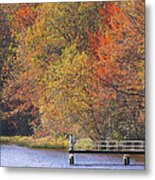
(75, 67)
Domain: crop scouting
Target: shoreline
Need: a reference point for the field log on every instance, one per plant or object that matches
(44, 142)
(31, 142)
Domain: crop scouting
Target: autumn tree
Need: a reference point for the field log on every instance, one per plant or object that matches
(7, 52)
(77, 68)
(118, 60)
(18, 109)
(7, 56)
(57, 49)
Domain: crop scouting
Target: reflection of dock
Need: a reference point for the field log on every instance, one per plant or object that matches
(125, 147)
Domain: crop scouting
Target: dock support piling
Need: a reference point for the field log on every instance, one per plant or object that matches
(126, 159)
(71, 159)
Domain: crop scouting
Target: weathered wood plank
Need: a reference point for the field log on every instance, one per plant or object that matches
(104, 152)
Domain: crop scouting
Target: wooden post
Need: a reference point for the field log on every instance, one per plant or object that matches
(107, 143)
(71, 159)
(126, 160)
(71, 142)
(71, 148)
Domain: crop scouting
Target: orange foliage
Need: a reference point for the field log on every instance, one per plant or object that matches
(23, 17)
(112, 52)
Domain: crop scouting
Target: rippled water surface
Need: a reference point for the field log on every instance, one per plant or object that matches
(15, 156)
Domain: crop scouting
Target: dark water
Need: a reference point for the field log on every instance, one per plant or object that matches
(15, 156)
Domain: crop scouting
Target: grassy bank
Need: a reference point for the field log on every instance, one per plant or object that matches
(31, 142)
(45, 143)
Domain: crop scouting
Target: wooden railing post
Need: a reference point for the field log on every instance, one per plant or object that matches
(71, 142)
(71, 148)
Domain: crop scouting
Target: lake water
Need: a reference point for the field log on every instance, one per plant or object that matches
(15, 156)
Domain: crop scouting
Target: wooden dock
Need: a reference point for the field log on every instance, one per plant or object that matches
(124, 147)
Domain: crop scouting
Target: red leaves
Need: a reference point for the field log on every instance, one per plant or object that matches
(112, 16)
(107, 47)
(23, 18)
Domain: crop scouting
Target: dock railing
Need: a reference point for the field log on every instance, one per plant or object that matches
(124, 147)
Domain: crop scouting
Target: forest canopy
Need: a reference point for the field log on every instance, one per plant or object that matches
(73, 68)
